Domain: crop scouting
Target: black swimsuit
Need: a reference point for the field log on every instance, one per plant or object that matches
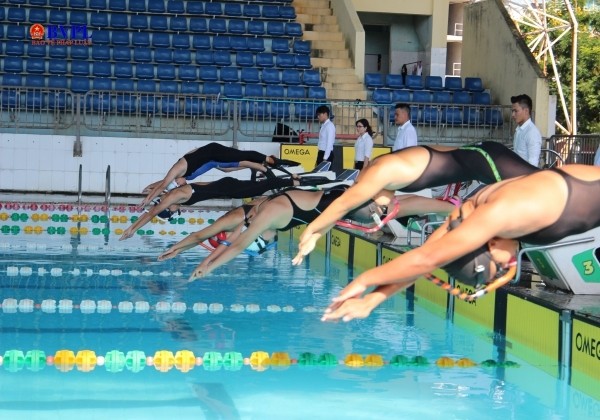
(228, 187)
(304, 217)
(481, 162)
(216, 152)
(581, 212)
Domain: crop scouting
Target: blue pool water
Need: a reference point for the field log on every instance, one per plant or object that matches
(100, 288)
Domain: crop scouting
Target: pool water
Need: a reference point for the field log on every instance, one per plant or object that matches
(131, 323)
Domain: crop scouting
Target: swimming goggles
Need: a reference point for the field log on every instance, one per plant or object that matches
(379, 222)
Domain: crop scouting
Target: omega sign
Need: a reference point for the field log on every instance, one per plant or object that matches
(587, 345)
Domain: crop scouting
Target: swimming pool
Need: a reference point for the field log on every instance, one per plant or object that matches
(98, 328)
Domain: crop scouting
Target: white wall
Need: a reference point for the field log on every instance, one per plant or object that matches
(44, 163)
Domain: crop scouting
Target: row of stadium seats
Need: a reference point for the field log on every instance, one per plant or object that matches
(414, 82)
(385, 96)
(287, 77)
(175, 7)
(452, 115)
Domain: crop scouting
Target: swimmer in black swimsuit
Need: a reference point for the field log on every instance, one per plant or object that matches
(480, 240)
(414, 169)
(222, 188)
(282, 211)
(205, 158)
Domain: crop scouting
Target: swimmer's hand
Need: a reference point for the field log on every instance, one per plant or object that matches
(128, 233)
(202, 270)
(308, 241)
(168, 254)
(353, 308)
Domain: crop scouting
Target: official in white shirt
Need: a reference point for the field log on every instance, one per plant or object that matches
(527, 142)
(326, 135)
(407, 135)
(364, 144)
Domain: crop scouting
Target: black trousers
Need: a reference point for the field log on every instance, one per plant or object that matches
(320, 156)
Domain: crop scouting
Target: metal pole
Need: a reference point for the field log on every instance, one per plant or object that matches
(575, 28)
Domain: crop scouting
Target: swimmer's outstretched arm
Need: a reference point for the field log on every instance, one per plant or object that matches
(176, 171)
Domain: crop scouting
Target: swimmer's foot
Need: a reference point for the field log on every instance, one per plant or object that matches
(168, 215)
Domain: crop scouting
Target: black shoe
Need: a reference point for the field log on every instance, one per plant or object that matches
(311, 181)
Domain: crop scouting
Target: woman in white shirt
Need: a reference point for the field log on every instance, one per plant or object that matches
(364, 144)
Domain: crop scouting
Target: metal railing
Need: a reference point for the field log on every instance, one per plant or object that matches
(107, 189)
(575, 149)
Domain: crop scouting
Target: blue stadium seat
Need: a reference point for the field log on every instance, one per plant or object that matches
(58, 51)
(58, 3)
(217, 26)
(297, 92)
(168, 87)
(443, 97)
(252, 10)
(271, 76)
(291, 77)
(119, 21)
(286, 61)
(208, 73)
(78, 4)
(473, 84)
(80, 84)
(121, 53)
(120, 38)
(280, 45)
(293, 29)
(211, 88)
(38, 16)
(144, 71)
(78, 18)
(190, 88)
(453, 83)
(414, 81)
(232, 9)
(400, 96)
(222, 59)
(195, 7)
(163, 55)
(178, 24)
(165, 72)
(57, 17)
(138, 22)
(148, 101)
(181, 41)
(13, 65)
(421, 96)
(15, 48)
(188, 73)
(16, 14)
(124, 85)
(311, 78)
(214, 107)
(433, 83)
(57, 67)
(257, 109)
(137, 5)
(317, 92)
(58, 97)
(140, 39)
(100, 38)
(117, 5)
(15, 32)
(34, 81)
(169, 104)
(126, 102)
(221, 43)
(213, 9)
(472, 116)
(100, 52)
(123, 70)
(270, 12)
(244, 59)
(182, 57)
(175, 7)
(394, 81)
(198, 24)
(302, 47)
(102, 69)
(256, 44)
(80, 68)
(253, 90)
(256, 27)
(99, 20)
(382, 96)
(233, 90)
(461, 97)
(481, 98)
(275, 28)
(205, 57)
(35, 65)
(142, 55)
(280, 110)
(236, 27)
(250, 75)
(98, 4)
(493, 117)
(156, 6)
(36, 50)
(10, 97)
(287, 12)
(229, 74)
(238, 43)
(161, 40)
(452, 115)
(100, 101)
(201, 42)
(158, 22)
(374, 80)
(265, 59)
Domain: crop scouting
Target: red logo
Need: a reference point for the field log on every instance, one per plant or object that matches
(37, 31)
